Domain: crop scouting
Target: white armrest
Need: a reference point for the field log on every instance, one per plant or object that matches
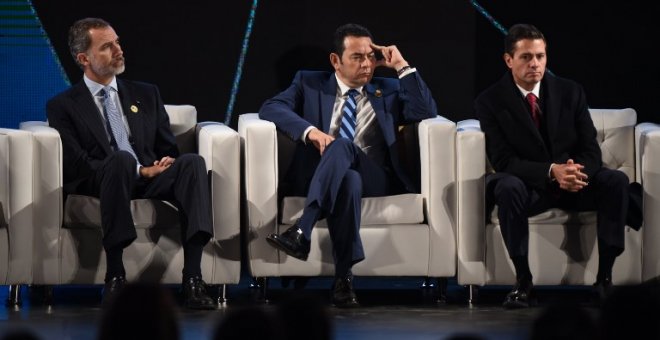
(470, 173)
(649, 158)
(48, 199)
(18, 209)
(437, 138)
(259, 143)
(220, 146)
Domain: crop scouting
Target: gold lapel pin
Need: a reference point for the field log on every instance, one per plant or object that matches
(378, 93)
(134, 109)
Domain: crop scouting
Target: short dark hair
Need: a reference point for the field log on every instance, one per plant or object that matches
(349, 30)
(79, 39)
(520, 32)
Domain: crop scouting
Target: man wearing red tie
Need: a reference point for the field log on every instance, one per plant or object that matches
(542, 144)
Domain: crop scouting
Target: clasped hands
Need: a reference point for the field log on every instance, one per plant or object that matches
(157, 168)
(570, 176)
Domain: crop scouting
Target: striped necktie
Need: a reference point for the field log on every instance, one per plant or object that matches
(349, 117)
(115, 124)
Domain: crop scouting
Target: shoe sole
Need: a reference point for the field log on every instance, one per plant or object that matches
(286, 250)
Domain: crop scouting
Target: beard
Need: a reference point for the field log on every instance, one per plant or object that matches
(115, 67)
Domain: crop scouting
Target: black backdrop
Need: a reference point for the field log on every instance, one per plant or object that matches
(190, 50)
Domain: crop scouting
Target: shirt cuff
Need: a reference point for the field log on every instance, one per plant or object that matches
(305, 133)
(407, 72)
(550, 172)
(138, 170)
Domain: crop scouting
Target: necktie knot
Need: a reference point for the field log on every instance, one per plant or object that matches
(534, 108)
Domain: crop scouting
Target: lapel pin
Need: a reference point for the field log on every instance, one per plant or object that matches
(378, 93)
(134, 109)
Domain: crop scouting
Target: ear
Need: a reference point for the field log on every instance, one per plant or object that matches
(508, 59)
(335, 60)
(82, 59)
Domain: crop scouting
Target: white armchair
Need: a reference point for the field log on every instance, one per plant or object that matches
(16, 217)
(68, 247)
(562, 245)
(403, 235)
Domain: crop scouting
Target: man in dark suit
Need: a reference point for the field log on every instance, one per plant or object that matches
(542, 144)
(345, 125)
(117, 146)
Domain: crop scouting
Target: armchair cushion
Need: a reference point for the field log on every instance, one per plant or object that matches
(398, 209)
(84, 212)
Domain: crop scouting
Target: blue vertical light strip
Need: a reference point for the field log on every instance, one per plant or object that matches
(50, 46)
(494, 22)
(489, 17)
(241, 62)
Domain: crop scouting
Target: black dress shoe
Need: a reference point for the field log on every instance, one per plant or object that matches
(195, 295)
(292, 241)
(520, 296)
(343, 295)
(112, 288)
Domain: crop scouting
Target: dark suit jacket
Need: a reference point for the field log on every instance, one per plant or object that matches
(76, 117)
(515, 146)
(310, 100)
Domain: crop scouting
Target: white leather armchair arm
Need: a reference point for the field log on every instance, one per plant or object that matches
(437, 138)
(16, 152)
(470, 177)
(259, 138)
(648, 157)
(219, 145)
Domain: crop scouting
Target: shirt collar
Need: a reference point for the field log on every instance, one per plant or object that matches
(95, 87)
(536, 90)
(343, 88)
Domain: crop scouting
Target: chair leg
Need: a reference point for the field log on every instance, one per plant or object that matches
(222, 295)
(14, 297)
(442, 290)
(473, 295)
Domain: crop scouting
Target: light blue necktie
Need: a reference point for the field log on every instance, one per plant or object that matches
(349, 118)
(114, 123)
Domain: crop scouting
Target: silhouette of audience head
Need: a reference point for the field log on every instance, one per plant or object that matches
(305, 316)
(19, 334)
(140, 311)
(247, 322)
(564, 320)
(632, 312)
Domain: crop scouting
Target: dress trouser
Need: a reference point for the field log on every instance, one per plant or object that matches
(606, 193)
(184, 183)
(343, 176)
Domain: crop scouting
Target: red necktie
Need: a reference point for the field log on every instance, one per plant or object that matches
(531, 99)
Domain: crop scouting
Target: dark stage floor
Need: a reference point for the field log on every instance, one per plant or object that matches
(392, 308)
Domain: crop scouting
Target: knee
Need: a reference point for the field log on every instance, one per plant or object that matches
(615, 180)
(340, 145)
(510, 187)
(121, 160)
(192, 160)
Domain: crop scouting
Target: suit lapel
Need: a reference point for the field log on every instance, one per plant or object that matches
(327, 101)
(378, 104)
(89, 113)
(519, 111)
